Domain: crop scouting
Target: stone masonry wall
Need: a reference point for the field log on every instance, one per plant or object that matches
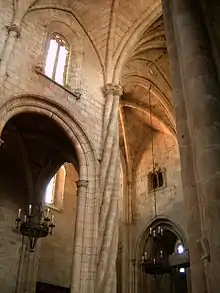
(21, 80)
(29, 51)
(169, 199)
(55, 265)
(11, 199)
(6, 12)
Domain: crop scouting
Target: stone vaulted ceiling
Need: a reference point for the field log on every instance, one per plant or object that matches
(146, 105)
(129, 39)
(110, 24)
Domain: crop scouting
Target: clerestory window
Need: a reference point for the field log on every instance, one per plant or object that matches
(57, 59)
(156, 180)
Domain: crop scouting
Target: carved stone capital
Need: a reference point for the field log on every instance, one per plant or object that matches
(14, 28)
(82, 183)
(112, 89)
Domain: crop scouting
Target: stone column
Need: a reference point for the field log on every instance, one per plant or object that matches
(109, 193)
(77, 274)
(28, 267)
(201, 92)
(13, 34)
(187, 167)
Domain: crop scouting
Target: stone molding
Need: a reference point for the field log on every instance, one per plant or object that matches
(82, 183)
(112, 89)
(15, 28)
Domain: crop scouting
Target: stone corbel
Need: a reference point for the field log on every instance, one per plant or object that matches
(38, 68)
(14, 28)
(112, 89)
(78, 94)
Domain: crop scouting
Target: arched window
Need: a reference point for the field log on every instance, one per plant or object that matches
(55, 189)
(156, 179)
(57, 57)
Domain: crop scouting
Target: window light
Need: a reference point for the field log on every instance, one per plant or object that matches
(56, 61)
(49, 195)
(180, 249)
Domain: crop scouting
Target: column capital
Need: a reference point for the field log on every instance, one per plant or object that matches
(82, 183)
(112, 89)
(14, 28)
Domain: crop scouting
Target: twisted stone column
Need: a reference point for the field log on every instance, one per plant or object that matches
(13, 34)
(109, 187)
(201, 90)
(187, 168)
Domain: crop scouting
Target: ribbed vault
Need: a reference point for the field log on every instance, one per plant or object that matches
(146, 103)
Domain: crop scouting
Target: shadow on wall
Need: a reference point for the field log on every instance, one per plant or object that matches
(13, 195)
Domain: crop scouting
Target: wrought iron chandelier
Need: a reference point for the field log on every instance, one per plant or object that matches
(156, 232)
(156, 263)
(35, 224)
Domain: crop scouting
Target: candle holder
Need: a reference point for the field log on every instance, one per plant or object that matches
(155, 264)
(156, 232)
(35, 224)
(155, 261)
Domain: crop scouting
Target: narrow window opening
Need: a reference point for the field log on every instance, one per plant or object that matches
(55, 189)
(156, 180)
(49, 195)
(160, 179)
(180, 249)
(57, 57)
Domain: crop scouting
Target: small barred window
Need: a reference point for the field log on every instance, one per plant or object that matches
(156, 180)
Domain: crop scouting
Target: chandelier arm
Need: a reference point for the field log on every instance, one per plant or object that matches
(35, 224)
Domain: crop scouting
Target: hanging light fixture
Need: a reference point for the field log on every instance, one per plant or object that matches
(156, 262)
(35, 224)
(156, 231)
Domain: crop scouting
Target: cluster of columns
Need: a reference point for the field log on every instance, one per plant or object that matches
(109, 191)
(196, 92)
